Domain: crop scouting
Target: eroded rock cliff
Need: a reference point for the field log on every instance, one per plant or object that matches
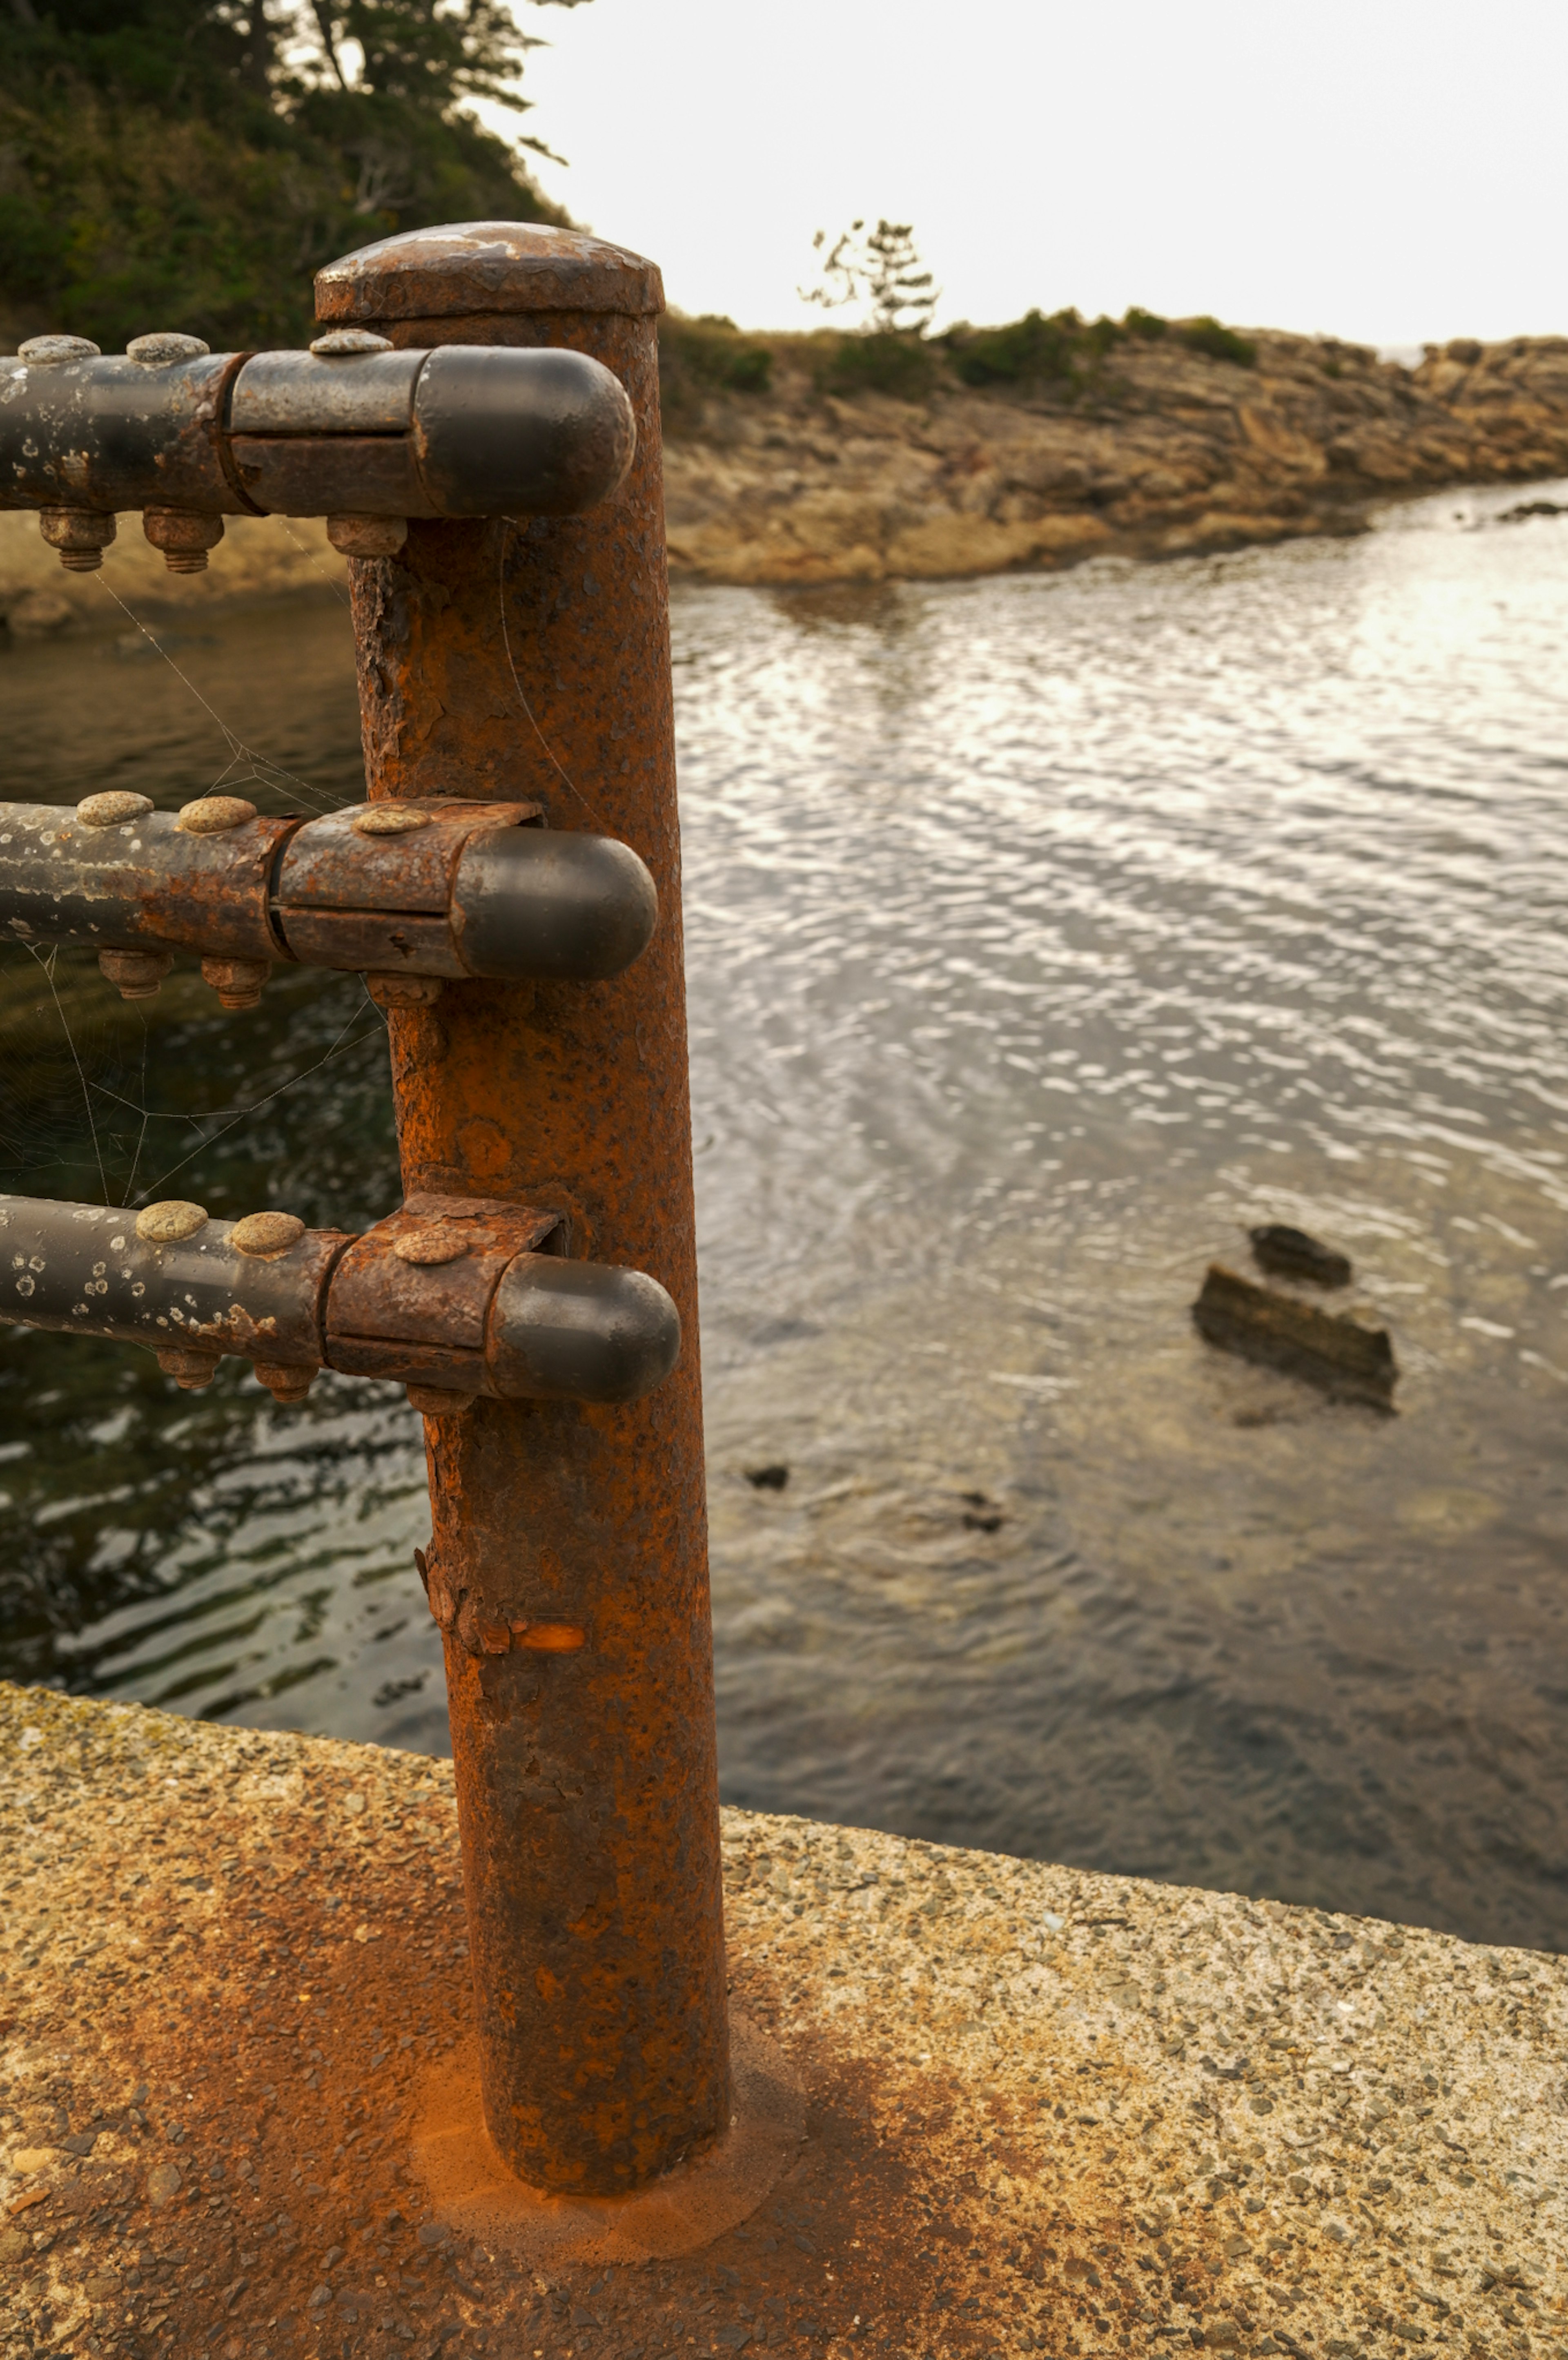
(1169, 452)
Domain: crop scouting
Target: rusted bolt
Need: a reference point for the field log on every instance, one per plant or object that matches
(80, 535)
(429, 1248)
(404, 990)
(115, 808)
(164, 348)
(183, 536)
(237, 982)
(283, 1384)
(165, 1224)
(432, 1402)
(215, 815)
(367, 535)
(389, 819)
(136, 975)
(47, 352)
(341, 344)
(265, 1234)
(192, 1370)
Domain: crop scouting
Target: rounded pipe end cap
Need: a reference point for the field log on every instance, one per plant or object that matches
(585, 1332)
(559, 908)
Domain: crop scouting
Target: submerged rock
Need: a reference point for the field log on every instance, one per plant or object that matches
(1291, 1253)
(1328, 1350)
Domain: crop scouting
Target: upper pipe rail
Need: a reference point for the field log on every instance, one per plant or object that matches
(352, 430)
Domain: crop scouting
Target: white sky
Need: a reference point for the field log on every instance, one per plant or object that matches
(1373, 169)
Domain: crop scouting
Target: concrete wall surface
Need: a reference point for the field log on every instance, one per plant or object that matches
(1046, 2111)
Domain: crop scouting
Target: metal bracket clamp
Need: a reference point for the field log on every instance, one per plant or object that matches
(352, 430)
(411, 893)
(456, 1297)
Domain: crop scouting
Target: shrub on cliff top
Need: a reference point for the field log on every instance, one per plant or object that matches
(1063, 348)
(901, 366)
(1206, 335)
(711, 350)
(1033, 347)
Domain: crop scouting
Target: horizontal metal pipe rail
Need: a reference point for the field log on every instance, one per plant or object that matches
(411, 893)
(453, 1296)
(352, 430)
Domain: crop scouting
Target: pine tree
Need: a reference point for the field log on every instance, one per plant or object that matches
(880, 268)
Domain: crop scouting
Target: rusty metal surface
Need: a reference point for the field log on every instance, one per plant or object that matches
(425, 1278)
(144, 881)
(587, 1780)
(297, 393)
(513, 267)
(84, 1268)
(473, 432)
(108, 434)
(331, 865)
(366, 474)
(367, 942)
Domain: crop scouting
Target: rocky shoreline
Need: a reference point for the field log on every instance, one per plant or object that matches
(1168, 453)
(1163, 451)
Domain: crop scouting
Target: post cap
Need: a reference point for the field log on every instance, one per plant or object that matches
(496, 266)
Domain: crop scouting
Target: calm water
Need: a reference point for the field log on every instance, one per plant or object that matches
(1043, 934)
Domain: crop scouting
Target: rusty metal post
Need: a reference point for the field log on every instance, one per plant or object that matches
(531, 659)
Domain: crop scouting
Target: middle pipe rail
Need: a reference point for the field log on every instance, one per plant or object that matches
(412, 893)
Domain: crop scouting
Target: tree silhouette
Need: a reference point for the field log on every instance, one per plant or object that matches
(880, 268)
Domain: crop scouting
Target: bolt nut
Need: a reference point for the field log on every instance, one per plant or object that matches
(114, 809)
(81, 536)
(404, 990)
(285, 1384)
(136, 975)
(215, 815)
(190, 1369)
(267, 1234)
(367, 535)
(165, 1224)
(433, 1401)
(183, 536)
(237, 982)
(164, 346)
(47, 352)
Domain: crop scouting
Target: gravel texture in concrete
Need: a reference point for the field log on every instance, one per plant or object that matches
(1045, 2110)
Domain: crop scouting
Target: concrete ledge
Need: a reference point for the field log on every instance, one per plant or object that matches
(1048, 2111)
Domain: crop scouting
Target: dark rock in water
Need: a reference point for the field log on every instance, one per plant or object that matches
(982, 1513)
(1527, 508)
(767, 1478)
(1337, 1354)
(1291, 1253)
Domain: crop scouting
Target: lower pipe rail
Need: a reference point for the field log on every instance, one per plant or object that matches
(457, 1298)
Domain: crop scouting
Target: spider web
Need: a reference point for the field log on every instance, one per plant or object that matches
(120, 1102)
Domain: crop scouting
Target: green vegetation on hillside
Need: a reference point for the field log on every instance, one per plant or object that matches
(708, 355)
(1065, 349)
(189, 163)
